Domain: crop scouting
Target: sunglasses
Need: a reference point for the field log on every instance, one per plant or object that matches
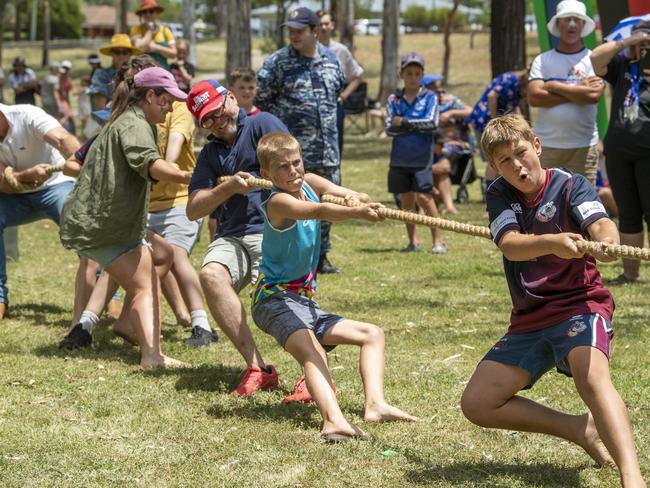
(148, 11)
(121, 52)
(214, 117)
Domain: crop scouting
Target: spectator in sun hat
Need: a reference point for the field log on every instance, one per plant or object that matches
(233, 257)
(300, 84)
(23, 81)
(101, 84)
(566, 90)
(151, 36)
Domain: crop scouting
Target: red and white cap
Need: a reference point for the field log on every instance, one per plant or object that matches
(205, 97)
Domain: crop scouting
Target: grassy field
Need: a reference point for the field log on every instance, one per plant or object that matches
(92, 418)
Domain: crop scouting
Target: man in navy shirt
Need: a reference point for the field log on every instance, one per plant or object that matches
(561, 315)
(232, 259)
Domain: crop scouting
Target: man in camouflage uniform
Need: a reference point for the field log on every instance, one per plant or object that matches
(300, 84)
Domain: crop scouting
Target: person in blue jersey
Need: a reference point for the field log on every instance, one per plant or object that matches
(283, 304)
(412, 118)
(561, 315)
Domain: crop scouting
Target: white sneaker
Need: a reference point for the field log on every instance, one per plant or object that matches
(439, 249)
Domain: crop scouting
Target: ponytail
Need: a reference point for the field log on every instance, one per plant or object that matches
(125, 93)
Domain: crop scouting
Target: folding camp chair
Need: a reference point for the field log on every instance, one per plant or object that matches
(356, 107)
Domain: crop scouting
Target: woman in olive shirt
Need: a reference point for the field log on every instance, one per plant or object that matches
(104, 216)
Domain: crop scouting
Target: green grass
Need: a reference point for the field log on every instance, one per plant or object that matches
(92, 418)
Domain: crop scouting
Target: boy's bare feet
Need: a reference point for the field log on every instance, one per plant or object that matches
(162, 361)
(384, 412)
(334, 432)
(594, 446)
(124, 330)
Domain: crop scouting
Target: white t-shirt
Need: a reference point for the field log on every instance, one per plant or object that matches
(24, 146)
(568, 125)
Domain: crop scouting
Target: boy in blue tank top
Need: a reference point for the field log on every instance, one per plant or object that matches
(282, 297)
(561, 315)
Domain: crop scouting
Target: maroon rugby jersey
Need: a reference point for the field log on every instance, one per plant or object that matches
(548, 290)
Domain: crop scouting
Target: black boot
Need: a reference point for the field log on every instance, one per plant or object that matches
(325, 267)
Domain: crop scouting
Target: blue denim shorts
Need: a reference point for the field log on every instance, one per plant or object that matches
(285, 312)
(540, 350)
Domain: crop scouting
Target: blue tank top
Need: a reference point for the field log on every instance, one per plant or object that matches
(289, 256)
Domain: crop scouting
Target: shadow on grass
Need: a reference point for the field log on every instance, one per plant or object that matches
(475, 474)
(206, 377)
(37, 313)
(298, 414)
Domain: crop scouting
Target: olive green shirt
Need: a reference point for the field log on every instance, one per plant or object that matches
(108, 204)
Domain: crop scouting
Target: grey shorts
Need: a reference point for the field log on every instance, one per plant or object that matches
(240, 255)
(173, 225)
(285, 312)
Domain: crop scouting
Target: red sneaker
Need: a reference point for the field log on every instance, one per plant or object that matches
(256, 379)
(300, 392)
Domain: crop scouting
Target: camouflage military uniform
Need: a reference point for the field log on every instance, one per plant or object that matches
(302, 92)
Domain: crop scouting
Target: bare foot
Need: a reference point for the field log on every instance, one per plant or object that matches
(332, 432)
(124, 330)
(387, 413)
(183, 321)
(114, 309)
(162, 361)
(594, 446)
(450, 210)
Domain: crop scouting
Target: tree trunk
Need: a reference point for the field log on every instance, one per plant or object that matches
(122, 8)
(280, 15)
(389, 50)
(46, 33)
(20, 8)
(345, 22)
(221, 19)
(238, 44)
(446, 36)
(508, 36)
(3, 11)
(188, 28)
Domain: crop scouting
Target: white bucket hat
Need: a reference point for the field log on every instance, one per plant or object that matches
(571, 8)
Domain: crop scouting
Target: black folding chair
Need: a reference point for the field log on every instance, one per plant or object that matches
(356, 107)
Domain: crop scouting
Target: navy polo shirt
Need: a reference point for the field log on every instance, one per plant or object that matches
(240, 215)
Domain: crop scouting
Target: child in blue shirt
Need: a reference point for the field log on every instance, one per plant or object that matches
(561, 315)
(282, 297)
(412, 118)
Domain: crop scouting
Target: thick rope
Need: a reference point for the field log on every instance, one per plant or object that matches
(615, 250)
(19, 186)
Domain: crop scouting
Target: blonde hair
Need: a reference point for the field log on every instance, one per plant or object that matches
(507, 129)
(273, 146)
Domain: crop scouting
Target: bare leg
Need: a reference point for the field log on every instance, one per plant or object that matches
(408, 205)
(441, 171)
(303, 346)
(590, 369)
(426, 203)
(370, 339)
(84, 284)
(631, 266)
(228, 311)
(135, 272)
(187, 279)
(490, 400)
(173, 294)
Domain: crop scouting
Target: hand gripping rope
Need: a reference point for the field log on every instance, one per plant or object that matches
(616, 250)
(18, 186)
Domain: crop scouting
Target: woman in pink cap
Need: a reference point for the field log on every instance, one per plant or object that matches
(104, 216)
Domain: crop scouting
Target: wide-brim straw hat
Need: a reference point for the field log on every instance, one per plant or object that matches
(149, 5)
(120, 41)
(571, 8)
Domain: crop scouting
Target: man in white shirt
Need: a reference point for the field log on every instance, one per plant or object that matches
(351, 69)
(566, 90)
(30, 140)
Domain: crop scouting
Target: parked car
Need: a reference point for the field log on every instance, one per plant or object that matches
(372, 27)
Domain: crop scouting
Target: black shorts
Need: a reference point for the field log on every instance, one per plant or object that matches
(405, 180)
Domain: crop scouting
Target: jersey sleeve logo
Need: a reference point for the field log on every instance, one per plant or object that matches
(587, 209)
(546, 212)
(505, 218)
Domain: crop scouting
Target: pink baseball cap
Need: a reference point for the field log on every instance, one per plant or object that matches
(206, 97)
(158, 78)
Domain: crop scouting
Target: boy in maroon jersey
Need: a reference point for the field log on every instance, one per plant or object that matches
(561, 311)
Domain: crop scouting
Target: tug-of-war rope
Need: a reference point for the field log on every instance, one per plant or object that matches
(19, 186)
(616, 250)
